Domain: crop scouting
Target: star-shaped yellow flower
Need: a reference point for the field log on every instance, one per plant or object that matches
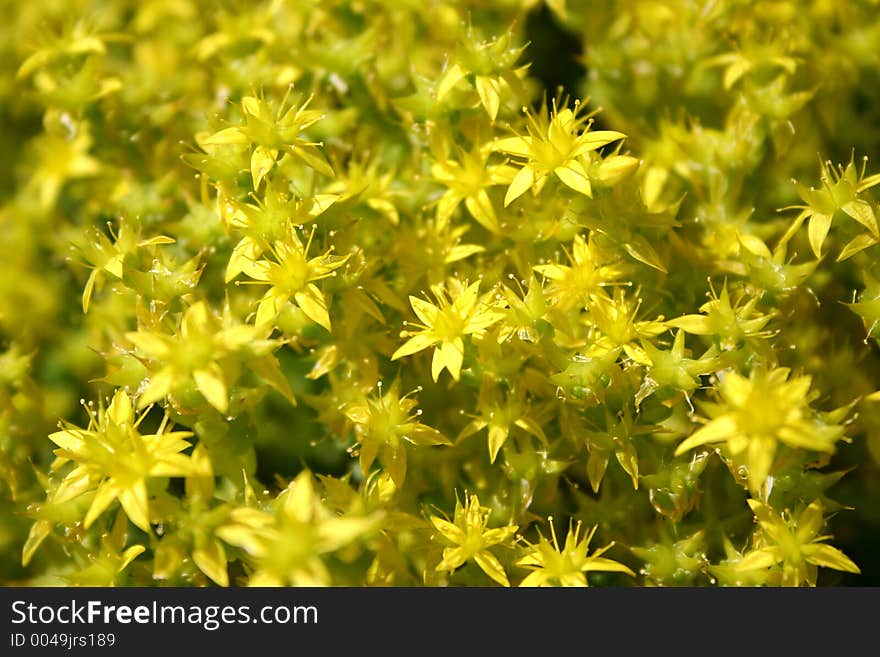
(289, 542)
(460, 311)
(197, 352)
(270, 131)
(291, 273)
(469, 538)
(566, 566)
(757, 414)
(557, 145)
(794, 544)
(115, 461)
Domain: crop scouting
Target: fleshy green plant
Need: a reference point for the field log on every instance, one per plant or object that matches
(350, 297)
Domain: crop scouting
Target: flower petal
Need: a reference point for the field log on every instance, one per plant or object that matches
(817, 231)
(312, 303)
(134, 503)
(211, 560)
(450, 78)
(449, 531)
(718, 430)
(523, 180)
(827, 556)
(424, 310)
(490, 565)
(450, 356)
(415, 344)
(575, 176)
(209, 381)
(104, 496)
(488, 90)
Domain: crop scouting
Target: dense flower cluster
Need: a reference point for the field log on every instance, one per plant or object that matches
(351, 298)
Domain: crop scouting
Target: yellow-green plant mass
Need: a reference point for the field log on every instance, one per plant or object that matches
(449, 293)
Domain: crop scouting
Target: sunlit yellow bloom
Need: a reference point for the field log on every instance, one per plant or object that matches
(289, 542)
(466, 179)
(840, 194)
(271, 131)
(794, 543)
(291, 274)
(197, 352)
(554, 145)
(489, 65)
(106, 256)
(758, 413)
(568, 565)
(729, 321)
(267, 219)
(590, 269)
(115, 461)
(384, 425)
(470, 538)
(460, 311)
(499, 415)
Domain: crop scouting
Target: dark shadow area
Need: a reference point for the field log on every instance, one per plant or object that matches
(554, 53)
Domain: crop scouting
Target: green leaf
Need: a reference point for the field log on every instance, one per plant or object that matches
(597, 463)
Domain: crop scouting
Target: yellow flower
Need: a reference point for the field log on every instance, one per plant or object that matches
(500, 415)
(291, 275)
(466, 179)
(470, 538)
(566, 566)
(61, 158)
(271, 132)
(197, 352)
(757, 414)
(106, 565)
(614, 316)
(107, 257)
(115, 461)
(590, 270)
(386, 423)
(193, 535)
(730, 322)
(795, 543)
(489, 65)
(267, 219)
(840, 192)
(554, 145)
(288, 544)
(446, 324)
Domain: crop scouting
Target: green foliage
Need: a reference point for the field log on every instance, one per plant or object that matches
(350, 298)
